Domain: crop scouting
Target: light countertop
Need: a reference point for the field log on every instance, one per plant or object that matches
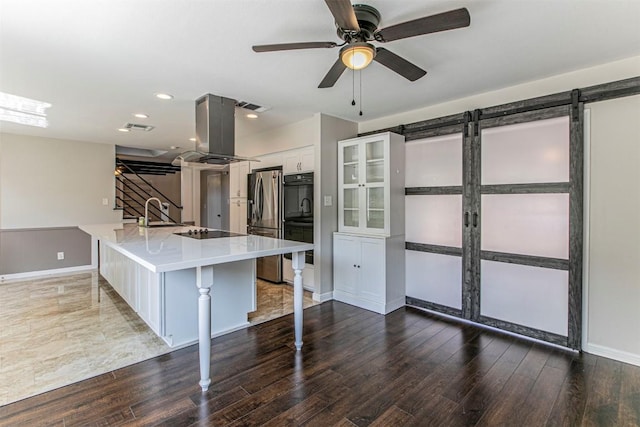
(159, 250)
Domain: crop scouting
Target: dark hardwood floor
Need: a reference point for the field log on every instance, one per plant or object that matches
(356, 368)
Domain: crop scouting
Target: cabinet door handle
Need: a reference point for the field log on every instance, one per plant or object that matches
(358, 266)
(466, 219)
(354, 265)
(475, 219)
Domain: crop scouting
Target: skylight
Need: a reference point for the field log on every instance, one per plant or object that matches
(24, 111)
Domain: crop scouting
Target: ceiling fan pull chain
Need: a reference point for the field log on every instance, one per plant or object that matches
(353, 88)
(360, 77)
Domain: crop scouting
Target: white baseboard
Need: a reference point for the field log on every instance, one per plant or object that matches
(611, 353)
(378, 307)
(43, 273)
(327, 296)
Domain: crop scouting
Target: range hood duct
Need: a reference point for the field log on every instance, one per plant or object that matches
(215, 133)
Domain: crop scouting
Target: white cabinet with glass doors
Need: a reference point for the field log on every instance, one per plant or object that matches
(371, 185)
(368, 250)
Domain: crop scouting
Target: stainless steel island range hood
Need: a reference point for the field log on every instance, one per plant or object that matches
(215, 133)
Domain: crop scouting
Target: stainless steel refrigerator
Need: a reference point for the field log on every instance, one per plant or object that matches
(264, 217)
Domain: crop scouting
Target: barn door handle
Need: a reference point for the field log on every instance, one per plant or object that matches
(466, 219)
(475, 219)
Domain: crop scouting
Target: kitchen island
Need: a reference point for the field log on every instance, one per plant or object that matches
(167, 278)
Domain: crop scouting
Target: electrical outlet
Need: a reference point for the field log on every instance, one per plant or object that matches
(328, 201)
(105, 201)
(60, 256)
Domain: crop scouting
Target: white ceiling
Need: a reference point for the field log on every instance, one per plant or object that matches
(100, 61)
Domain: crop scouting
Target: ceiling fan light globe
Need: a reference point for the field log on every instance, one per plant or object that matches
(357, 55)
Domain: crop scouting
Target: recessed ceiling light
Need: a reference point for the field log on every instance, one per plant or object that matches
(141, 116)
(252, 116)
(164, 96)
(192, 139)
(123, 130)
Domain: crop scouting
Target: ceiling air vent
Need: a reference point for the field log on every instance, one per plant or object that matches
(136, 126)
(252, 107)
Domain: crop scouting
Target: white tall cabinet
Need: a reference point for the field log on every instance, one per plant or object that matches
(238, 197)
(368, 248)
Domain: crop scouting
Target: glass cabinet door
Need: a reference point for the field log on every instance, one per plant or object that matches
(350, 184)
(350, 170)
(362, 186)
(374, 154)
(375, 207)
(351, 211)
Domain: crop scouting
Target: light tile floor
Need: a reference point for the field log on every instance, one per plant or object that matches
(276, 301)
(58, 330)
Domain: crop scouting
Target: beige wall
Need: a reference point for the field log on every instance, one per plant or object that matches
(55, 183)
(612, 320)
(47, 188)
(613, 256)
(1, 156)
(295, 135)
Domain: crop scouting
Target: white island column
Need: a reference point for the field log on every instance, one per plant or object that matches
(297, 262)
(204, 282)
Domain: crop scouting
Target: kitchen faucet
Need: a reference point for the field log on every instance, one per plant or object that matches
(146, 209)
(308, 206)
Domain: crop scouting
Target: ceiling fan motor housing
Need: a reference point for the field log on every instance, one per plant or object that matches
(368, 19)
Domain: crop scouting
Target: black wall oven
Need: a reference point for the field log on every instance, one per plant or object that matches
(298, 210)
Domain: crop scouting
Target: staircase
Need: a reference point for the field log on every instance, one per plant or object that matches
(133, 190)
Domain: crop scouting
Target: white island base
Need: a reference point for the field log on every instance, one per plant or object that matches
(166, 276)
(168, 302)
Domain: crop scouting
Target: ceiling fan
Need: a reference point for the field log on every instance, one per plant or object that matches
(357, 25)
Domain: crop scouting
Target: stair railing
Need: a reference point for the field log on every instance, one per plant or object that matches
(131, 171)
(129, 184)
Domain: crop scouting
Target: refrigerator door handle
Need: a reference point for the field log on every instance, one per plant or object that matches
(261, 198)
(254, 203)
(276, 200)
(256, 199)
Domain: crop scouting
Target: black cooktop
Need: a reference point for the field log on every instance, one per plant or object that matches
(203, 233)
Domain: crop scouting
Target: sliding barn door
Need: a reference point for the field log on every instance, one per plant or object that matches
(524, 226)
(433, 231)
(494, 221)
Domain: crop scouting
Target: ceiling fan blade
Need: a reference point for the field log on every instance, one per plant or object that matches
(343, 13)
(333, 75)
(292, 46)
(429, 24)
(398, 64)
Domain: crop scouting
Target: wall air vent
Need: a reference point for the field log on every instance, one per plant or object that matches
(252, 107)
(136, 126)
